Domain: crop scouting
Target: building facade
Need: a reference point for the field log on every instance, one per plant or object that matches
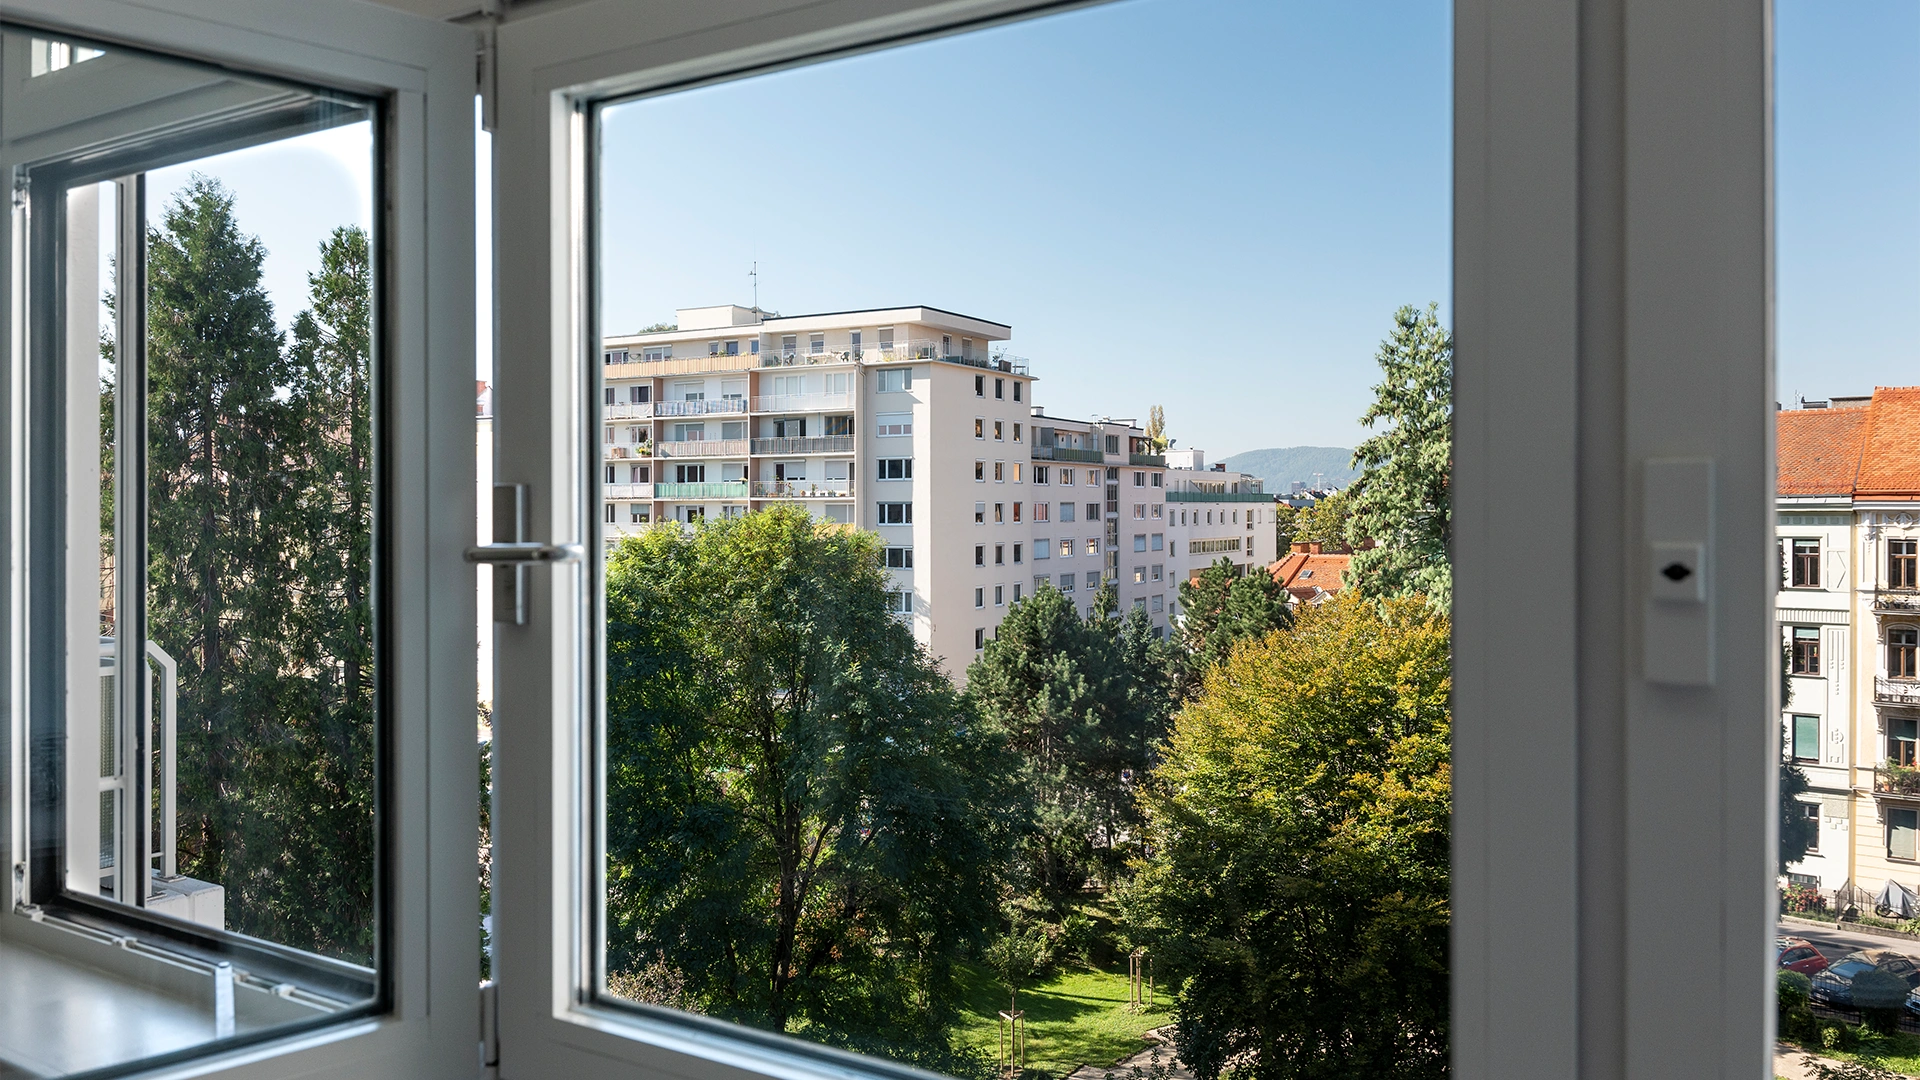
(1214, 514)
(1848, 614)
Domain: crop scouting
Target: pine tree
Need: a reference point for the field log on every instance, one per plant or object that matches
(1402, 501)
(1220, 609)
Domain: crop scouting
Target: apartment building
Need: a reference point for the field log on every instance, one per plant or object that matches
(1212, 514)
(1848, 614)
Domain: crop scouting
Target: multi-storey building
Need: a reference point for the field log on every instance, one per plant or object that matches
(1101, 515)
(1214, 514)
(1849, 620)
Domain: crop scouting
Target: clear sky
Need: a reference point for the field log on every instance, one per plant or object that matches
(1211, 205)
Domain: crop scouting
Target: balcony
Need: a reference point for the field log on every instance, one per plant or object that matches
(1219, 496)
(1156, 461)
(824, 444)
(1065, 453)
(627, 451)
(626, 492)
(700, 408)
(707, 448)
(1898, 781)
(627, 410)
(1896, 602)
(895, 352)
(803, 489)
(802, 403)
(734, 489)
(1896, 691)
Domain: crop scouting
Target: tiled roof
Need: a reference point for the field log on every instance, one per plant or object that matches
(1890, 456)
(1819, 450)
(1299, 571)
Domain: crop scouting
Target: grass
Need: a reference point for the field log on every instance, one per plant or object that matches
(1899, 1052)
(1074, 1018)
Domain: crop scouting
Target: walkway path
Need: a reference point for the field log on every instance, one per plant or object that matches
(1161, 1039)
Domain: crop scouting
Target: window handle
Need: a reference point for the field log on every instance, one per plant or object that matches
(513, 553)
(530, 552)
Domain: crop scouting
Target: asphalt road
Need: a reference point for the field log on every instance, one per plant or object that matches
(1838, 943)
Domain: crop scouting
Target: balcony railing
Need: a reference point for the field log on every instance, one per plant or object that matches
(803, 489)
(700, 408)
(1067, 453)
(1897, 780)
(1891, 602)
(626, 492)
(823, 444)
(897, 352)
(1896, 691)
(796, 403)
(627, 410)
(1157, 461)
(704, 448)
(1219, 496)
(624, 451)
(734, 489)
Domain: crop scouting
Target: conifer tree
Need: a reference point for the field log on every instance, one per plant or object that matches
(1402, 501)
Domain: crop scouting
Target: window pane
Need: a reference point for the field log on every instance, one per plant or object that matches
(878, 803)
(208, 752)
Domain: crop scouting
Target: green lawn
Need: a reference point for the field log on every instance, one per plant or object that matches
(1074, 1018)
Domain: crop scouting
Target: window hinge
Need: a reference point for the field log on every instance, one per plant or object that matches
(490, 1027)
(487, 62)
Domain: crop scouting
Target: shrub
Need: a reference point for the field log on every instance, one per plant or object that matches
(1793, 990)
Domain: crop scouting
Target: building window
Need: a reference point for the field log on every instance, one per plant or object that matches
(979, 513)
(1901, 827)
(610, 512)
(1155, 511)
(892, 425)
(896, 380)
(979, 638)
(1903, 642)
(1159, 603)
(1016, 551)
(999, 431)
(1042, 549)
(999, 513)
(1139, 575)
(1159, 541)
(789, 344)
(1016, 512)
(979, 601)
(1016, 590)
(899, 558)
(1016, 426)
(1016, 391)
(1066, 511)
(1812, 811)
(1139, 541)
(1000, 388)
(1093, 511)
(1139, 479)
(999, 554)
(896, 468)
(1066, 580)
(1093, 545)
(896, 513)
(1066, 476)
(1806, 650)
(979, 427)
(1016, 472)
(816, 343)
(1139, 511)
(900, 602)
(1902, 736)
(999, 472)
(1040, 474)
(1806, 739)
(1041, 510)
(1158, 571)
(1156, 480)
(979, 472)
(733, 348)
(640, 513)
(979, 554)
(886, 339)
(999, 596)
(979, 386)
(1113, 447)
(1806, 564)
(1066, 549)
(1903, 564)
(1039, 582)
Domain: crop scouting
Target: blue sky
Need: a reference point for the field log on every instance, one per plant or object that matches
(1211, 205)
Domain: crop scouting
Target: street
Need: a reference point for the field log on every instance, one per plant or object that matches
(1838, 943)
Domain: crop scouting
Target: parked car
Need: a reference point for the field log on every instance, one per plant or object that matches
(1799, 954)
(1834, 986)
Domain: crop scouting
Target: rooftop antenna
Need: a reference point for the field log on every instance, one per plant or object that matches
(755, 275)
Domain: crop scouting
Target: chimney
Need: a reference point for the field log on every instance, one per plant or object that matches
(1301, 548)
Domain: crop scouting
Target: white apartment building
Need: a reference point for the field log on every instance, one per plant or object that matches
(1848, 613)
(1214, 514)
(1100, 514)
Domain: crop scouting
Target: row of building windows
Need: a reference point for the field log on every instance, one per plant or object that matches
(999, 388)
(1903, 651)
(1801, 559)
(999, 429)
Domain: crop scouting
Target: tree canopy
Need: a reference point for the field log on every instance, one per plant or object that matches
(1221, 608)
(1297, 890)
(1402, 502)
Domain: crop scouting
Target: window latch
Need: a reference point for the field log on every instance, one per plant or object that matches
(511, 553)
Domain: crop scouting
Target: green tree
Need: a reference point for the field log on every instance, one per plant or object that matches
(803, 825)
(1221, 608)
(1157, 430)
(1324, 522)
(253, 584)
(1297, 890)
(1402, 501)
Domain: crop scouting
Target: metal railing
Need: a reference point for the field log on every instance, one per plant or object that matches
(821, 444)
(732, 489)
(792, 403)
(1068, 453)
(1896, 780)
(1158, 461)
(803, 489)
(624, 451)
(1896, 602)
(700, 408)
(1219, 496)
(1896, 691)
(704, 448)
(802, 355)
(626, 491)
(627, 410)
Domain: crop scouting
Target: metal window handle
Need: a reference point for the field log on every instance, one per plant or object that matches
(529, 552)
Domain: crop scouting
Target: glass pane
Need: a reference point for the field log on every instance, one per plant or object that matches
(1847, 187)
(880, 776)
(201, 666)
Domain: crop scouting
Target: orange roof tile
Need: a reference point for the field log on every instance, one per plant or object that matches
(1819, 450)
(1890, 456)
(1299, 570)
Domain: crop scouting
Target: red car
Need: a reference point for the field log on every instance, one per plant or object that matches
(1798, 954)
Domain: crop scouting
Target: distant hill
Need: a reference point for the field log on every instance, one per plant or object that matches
(1282, 465)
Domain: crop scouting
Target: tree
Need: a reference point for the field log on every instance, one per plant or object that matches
(258, 529)
(1221, 608)
(1323, 522)
(1402, 501)
(1297, 890)
(1798, 832)
(1157, 430)
(803, 825)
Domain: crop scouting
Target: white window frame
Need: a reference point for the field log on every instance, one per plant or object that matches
(1611, 224)
(424, 70)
